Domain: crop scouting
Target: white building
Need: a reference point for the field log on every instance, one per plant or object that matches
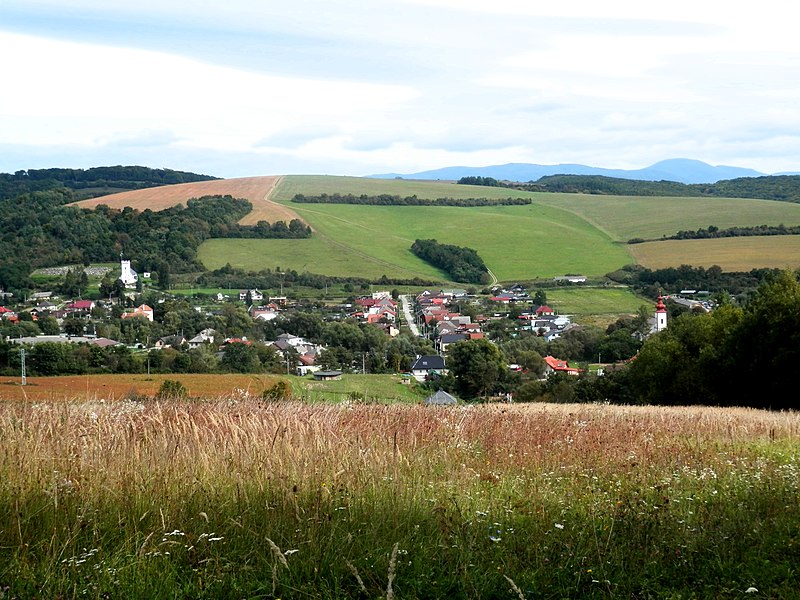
(128, 275)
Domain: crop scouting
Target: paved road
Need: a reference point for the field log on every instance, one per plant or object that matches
(408, 316)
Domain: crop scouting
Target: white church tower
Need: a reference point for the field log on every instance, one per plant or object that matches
(128, 275)
(661, 315)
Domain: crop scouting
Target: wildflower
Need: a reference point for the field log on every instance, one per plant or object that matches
(559, 526)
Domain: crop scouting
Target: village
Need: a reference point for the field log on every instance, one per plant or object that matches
(250, 331)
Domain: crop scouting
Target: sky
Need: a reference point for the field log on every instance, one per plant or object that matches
(245, 87)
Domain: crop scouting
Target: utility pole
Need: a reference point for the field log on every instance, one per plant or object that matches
(22, 363)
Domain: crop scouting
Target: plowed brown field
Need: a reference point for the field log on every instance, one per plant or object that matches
(94, 388)
(255, 189)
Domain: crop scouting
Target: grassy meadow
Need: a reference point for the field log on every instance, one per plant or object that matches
(238, 498)
(515, 242)
(583, 301)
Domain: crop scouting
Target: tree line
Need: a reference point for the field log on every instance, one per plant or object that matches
(712, 231)
(460, 263)
(394, 200)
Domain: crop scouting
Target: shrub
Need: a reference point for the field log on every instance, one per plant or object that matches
(278, 392)
(171, 389)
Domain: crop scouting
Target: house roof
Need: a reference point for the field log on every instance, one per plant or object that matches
(559, 365)
(451, 338)
(428, 363)
(82, 304)
(439, 398)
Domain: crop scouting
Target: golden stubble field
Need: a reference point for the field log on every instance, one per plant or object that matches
(255, 189)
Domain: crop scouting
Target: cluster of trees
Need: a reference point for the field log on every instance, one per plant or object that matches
(390, 200)
(478, 180)
(652, 282)
(39, 231)
(460, 263)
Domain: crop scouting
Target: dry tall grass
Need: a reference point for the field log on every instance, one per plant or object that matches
(359, 491)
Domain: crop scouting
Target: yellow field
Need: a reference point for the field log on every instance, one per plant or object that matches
(732, 254)
(255, 189)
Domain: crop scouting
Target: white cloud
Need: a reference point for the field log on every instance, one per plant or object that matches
(93, 93)
(403, 85)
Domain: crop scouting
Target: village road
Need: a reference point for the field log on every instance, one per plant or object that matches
(408, 316)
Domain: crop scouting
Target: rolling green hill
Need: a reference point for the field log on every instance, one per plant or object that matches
(516, 242)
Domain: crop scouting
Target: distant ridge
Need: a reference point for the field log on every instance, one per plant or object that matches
(682, 170)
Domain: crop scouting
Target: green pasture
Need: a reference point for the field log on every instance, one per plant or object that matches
(373, 388)
(594, 301)
(516, 242)
(626, 217)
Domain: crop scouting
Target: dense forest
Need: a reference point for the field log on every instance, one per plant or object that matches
(390, 200)
(41, 231)
(111, 178)
(785, 188)
(461, 264)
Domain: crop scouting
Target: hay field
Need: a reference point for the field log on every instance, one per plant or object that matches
(255, 189)
(241, 499)
(732, 254)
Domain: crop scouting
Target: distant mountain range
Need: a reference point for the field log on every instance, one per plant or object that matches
(682, 170)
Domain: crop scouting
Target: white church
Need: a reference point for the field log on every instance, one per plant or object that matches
(128, 276)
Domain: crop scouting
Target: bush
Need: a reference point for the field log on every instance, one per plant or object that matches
(280, 391)
(171, 389)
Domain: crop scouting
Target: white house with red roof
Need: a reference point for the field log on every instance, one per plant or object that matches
(143, 311)
(83, 306)
(556, 365)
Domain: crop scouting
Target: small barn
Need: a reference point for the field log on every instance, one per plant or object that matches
(440, 398)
